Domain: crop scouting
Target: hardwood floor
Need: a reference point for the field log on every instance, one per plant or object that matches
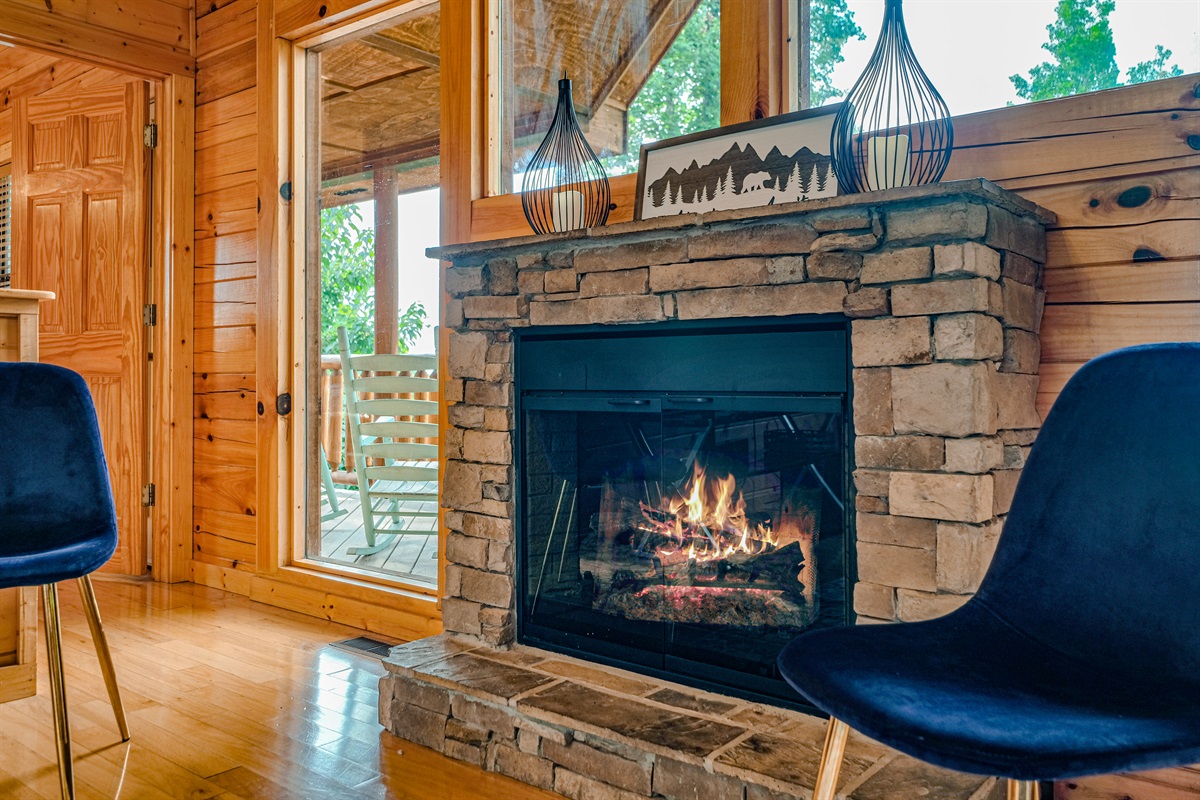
(227, 699)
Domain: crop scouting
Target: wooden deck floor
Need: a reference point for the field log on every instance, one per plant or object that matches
(408, 556)
(227, 699)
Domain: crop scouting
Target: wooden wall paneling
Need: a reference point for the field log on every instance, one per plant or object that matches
(224, 283)
(174, 248)
(223, 396)
(234, 116)
(226, 258)
(1145, 243)
(1074, 333)
(221, 487)
(224, 349)
(225, 73)
(227, 211)
(225, 441)
(1154, 282)
(224, 166)
(149, 38)
(226, 27)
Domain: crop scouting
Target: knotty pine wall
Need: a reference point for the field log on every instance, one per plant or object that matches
(224, 460)
(151, 37)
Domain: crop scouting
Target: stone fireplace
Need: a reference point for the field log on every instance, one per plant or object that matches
(853, 377)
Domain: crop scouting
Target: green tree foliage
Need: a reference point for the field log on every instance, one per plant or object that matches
(1154, 69)
(683, 93)
(1084, 56)
(348, 284)
(832, 26)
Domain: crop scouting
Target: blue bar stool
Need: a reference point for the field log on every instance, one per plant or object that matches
(1080, 654)
(57, 519)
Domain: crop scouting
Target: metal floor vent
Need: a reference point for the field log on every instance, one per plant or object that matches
(365, 645)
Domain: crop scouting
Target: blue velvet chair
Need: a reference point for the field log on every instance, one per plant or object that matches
(57, 519)
(1080, 654)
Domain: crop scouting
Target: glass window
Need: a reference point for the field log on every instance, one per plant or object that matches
(641, 71)
(981, 55)
(374, 109)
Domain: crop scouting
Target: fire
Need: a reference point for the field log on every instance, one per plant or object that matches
(707, 521)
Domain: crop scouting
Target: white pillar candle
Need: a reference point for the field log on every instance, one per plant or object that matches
(887, 162)
(566, 210)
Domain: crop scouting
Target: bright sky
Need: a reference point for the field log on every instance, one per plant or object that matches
(970, 47)
(420, 227)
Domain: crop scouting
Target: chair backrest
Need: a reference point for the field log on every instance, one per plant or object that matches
(378, 390)
(1100, 555)
(51, 457)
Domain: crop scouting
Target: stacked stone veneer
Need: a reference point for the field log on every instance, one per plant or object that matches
(942, 288)
(599, 734)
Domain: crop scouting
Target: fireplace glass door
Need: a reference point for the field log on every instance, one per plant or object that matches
(688, 535)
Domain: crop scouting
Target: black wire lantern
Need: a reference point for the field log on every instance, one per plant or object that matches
(893, 129)
(565, 186)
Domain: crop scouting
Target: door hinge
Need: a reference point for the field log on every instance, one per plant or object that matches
(150, 314)
(148, 494)
(150, 135)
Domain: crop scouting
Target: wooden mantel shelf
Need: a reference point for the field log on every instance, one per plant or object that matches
(18, 606)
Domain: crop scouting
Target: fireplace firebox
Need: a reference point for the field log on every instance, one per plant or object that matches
(683, 496)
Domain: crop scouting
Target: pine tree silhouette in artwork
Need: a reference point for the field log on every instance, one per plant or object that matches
(793, 179)
(806, 181)
(822, 174)
(655, 201)
(673, 191)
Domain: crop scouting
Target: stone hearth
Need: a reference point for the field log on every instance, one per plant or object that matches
(941, 286)
(596, 733)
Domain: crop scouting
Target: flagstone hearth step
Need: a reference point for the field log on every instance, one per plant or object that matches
(593, 732)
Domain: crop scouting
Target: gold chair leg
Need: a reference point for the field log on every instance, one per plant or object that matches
(831, 759)
(1023, 790)
(106, 664)
(58, 694)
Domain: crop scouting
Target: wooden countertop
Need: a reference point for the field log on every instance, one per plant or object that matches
(25, 294)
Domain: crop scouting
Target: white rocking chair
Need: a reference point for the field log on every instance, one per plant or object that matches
(397, 475)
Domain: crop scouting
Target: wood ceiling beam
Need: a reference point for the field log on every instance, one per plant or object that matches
(401, 50)
(654, 23)
(402, 154)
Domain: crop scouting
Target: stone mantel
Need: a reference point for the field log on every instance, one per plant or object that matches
(941, 290)
(976, 189)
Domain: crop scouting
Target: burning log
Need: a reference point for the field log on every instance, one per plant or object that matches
(698, 605)
(776, 570)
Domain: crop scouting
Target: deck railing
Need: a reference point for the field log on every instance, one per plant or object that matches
(334, 426)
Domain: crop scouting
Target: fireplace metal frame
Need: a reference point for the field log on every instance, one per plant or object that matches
(702, 676)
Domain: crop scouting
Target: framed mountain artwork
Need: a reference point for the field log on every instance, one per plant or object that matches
(766, 162)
